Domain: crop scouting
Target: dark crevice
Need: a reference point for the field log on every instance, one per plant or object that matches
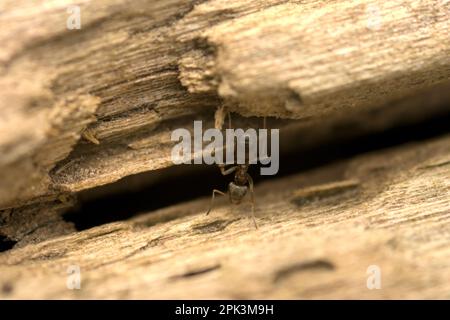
(187, 182)
(212, 227)
(6, 243)
(347, 147)
(7, 288)
(316, 265)
(196, 273)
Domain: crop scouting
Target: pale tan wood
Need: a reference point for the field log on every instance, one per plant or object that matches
(308, 58)
(390, 208)
(26, 226)
(83, 108)
(117, 77)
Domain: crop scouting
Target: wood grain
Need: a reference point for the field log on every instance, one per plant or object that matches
(396, 217)
(308, 58)
(83, 108)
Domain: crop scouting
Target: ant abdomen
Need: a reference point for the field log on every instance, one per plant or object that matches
(236, 192)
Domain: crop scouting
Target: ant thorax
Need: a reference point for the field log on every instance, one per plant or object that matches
(240, 177)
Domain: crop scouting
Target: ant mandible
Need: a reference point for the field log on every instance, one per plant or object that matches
(243, 182)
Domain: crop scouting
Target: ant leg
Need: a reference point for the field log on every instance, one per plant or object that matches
(212, 199)
(250, 184)
(226, 171)
(219, 120)
(219, 117)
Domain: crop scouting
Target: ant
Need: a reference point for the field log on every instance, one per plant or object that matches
(243, 182)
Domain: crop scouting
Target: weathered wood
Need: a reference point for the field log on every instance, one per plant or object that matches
(117, 74)
(307, 58)
(82, 108)
(395, 215)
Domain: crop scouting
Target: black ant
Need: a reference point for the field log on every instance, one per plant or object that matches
(243, 182)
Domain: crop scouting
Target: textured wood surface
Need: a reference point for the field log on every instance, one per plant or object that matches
(318, 234)
(85, 108)
(82, 108)
(307, 58)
